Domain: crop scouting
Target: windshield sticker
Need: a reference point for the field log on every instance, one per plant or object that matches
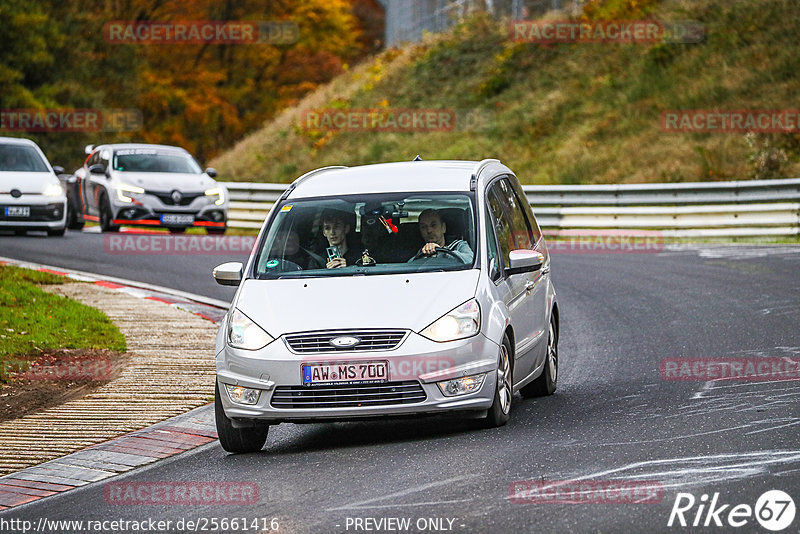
(288, 207)
(272, 263)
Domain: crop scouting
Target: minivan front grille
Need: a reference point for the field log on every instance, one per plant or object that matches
(368, 340)
(348, 395)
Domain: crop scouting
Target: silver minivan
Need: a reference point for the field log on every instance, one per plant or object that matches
(395, 289)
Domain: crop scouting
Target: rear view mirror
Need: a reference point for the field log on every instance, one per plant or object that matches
(524, 261)
(88, 149)
(228, 274)
(212, 172)
(58, 169)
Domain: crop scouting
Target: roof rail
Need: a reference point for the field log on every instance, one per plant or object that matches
(473, 181)
(307, 175)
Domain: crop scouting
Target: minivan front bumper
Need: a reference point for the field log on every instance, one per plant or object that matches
(417, 360)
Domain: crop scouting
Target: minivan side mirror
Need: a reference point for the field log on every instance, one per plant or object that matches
(228, 274)
(97, 168)
(212, 172)
(58, 169)
(524, 261)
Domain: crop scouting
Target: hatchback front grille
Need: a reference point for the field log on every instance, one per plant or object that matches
(166, 198)
(348, 396)
(367, 340)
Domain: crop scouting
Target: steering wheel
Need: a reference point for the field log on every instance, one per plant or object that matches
(439, 249)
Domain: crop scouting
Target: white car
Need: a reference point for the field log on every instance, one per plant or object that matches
(396, 289)
(150, 185)
(31, 195)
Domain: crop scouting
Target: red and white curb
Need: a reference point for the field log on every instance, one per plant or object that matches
(207, 308)
(105, 460)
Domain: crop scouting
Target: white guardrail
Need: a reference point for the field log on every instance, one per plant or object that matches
(690, 209)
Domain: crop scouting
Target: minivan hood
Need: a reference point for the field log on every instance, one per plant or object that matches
(167, 181)
(26, 182)
(411, 301)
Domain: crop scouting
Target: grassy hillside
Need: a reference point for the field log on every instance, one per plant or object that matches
(565, 113)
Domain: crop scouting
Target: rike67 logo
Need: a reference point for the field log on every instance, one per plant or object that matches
(774, 510)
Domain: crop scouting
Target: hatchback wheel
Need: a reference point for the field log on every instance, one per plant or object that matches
(547, 381)
(106, 215)
(249, 439)
(500, 412)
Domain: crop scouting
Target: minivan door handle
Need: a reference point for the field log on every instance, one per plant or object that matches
(529, 285)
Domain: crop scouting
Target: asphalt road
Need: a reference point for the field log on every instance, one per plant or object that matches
(613, 416)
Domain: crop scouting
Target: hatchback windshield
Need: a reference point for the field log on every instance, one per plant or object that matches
(21, 158)
(369, 234)
(147, 160)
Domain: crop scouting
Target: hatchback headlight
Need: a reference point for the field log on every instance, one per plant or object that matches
(464, 321)
(245, 334)
(125, 188)
(218, 192)
(53, 190)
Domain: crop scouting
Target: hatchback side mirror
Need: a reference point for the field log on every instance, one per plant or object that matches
(97, 168)
(524, 261)
(229, 274)
(212, 172)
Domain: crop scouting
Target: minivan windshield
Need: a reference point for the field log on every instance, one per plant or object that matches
(21, 158)
(369, 234)
(148, 160)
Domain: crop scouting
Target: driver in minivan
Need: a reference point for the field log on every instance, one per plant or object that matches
(432, 229)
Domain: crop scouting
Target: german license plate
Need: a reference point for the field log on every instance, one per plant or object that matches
(177, 218)
(18, 211)
(318, 374)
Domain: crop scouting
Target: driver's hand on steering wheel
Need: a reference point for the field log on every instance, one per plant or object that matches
(430, 249)
(336, 262)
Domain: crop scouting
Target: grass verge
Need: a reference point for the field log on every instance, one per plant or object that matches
(33, 321)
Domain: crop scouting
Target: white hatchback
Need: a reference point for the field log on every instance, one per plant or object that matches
(31, 195)
(388, 290)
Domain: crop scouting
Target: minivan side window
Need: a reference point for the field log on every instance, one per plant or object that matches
(513, 228)
(495, 256)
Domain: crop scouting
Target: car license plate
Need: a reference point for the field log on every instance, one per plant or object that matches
(176, 218)
(317, 374)
(18, 211)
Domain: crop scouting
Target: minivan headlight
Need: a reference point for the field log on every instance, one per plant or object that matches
(53, 190)
(125, 188)
(217, 192)
(461, 322)
(243, 333)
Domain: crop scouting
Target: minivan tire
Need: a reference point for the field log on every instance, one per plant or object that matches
(237, 440)
(500, 412)
(546, 383)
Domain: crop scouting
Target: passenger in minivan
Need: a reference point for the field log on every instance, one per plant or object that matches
(335, 228)
(432, 229)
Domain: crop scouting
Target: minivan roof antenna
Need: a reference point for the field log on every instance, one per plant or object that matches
(418, 158)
